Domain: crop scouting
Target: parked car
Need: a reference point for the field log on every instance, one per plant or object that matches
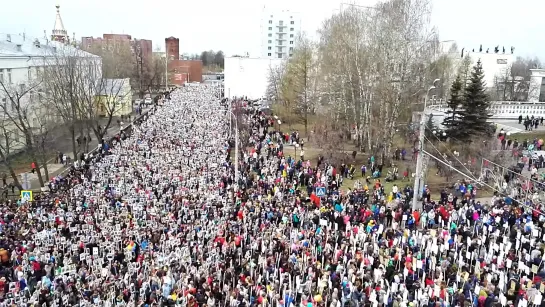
(148, 101)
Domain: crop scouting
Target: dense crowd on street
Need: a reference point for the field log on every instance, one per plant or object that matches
(165, 215)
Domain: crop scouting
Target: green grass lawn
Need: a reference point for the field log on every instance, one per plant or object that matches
(528, 135)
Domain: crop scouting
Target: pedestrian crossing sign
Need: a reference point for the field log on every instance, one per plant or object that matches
(26, 196)
(320, 191)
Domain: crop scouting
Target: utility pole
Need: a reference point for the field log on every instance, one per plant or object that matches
(419, 158)
(141, 75)
(166, 70)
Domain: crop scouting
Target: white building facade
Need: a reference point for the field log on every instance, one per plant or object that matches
(536, 92)
(279, 32)
(495, 65)
(22, 62)
(248, 77)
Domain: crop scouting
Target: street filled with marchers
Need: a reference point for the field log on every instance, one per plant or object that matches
(158, 218)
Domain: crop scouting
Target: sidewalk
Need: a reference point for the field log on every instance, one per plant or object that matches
(65, 146)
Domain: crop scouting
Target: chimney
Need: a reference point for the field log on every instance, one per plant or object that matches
(8, 38)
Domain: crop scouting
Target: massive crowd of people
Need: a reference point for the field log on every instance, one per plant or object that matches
(158, 218)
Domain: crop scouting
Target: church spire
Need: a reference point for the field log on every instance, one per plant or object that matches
(59, 32)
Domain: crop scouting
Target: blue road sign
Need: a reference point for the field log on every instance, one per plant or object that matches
(26, 196)
(320, 191)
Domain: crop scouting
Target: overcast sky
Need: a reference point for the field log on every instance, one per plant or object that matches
(234, 25)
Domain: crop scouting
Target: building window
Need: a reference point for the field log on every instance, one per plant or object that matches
(281, 23)
(280, 55)
(291, 48)
(292, 22)
(269, 54)
(291, 29)
(291, 35)
(29, 73)
(270, 47)
(9, 75)
(291, 42)
(270, 34)
(270, 41)
(270, 21)
(1, 75)
(270, 28)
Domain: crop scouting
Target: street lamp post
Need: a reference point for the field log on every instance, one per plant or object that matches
(231, 116)
(420, 159)
(166, 69)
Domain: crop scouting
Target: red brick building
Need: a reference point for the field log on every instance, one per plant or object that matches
(140, 48)
(181, 71)
(172, 45)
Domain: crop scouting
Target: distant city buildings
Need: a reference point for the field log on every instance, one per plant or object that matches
(248, 76)
(141, 49)
(279, 32)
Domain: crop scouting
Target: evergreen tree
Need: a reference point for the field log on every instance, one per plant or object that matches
(452, 117)
(474, 116)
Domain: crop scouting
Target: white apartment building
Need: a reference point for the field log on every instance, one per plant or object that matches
(279, 32)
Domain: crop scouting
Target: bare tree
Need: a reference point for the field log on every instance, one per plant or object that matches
(372, 65)
(18, 116)
(302, 69)
(9, 145)
(70, 79)
(102, 100)
(274, 83)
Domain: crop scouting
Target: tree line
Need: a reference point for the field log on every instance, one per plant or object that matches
(371, 68)
(364, 74)
(211, 60)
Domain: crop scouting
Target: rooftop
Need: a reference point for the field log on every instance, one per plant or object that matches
(113, 86)
(20, 45)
